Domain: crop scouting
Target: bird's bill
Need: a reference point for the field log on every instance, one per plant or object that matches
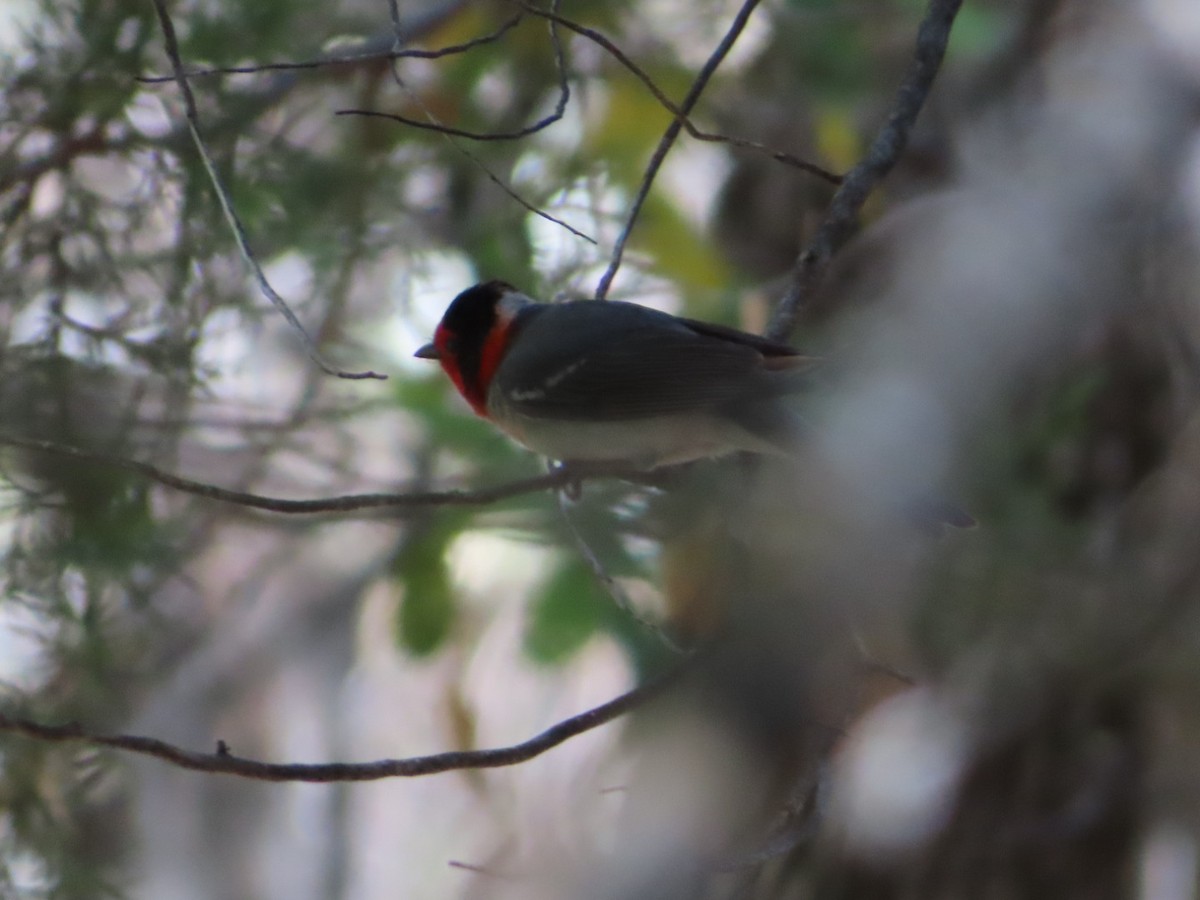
(428, 352)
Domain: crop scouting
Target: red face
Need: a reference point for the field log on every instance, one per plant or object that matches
(471, 360)
(447, 348)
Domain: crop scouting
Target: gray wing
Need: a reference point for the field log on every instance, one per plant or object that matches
(650, 364)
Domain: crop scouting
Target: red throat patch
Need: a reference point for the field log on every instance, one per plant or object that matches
(494, 349)
(474, 389)
(449, 363)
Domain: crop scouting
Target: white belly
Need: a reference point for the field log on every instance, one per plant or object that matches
(644, 442)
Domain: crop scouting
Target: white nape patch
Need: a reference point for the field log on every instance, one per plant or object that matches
(511, 303)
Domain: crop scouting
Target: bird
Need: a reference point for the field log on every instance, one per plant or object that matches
(591, 381)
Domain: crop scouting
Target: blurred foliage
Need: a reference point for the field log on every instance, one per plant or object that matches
(568, 610)
(128, 328)
(427, 610)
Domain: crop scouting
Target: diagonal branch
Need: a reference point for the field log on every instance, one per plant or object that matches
(224, 762)
(606, 581)
(638, 72)
(564, 96)
(231, 216)
(887, 147)
(669, 137)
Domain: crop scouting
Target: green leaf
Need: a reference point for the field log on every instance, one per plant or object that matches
(428, 609)
(568, 611)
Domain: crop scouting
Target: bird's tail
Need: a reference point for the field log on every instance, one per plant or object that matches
(771, 421)
(783, 430)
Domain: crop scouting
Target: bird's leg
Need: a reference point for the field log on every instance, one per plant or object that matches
(572, 489)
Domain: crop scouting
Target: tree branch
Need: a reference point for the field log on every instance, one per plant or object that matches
(669, 137)
(887, 147)
(564, 96)
(638, 72)
(224, 762)
(235, 223)
(559, 478)
(366, 53)
(433, 124)
(606, 581)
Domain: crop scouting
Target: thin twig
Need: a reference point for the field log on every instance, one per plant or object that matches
(397, 30)
(224, 762)
(482, 870)
(621, 57)
(610, 585)
(601, 575)
(433, 124)
(355, 58)
(441, 128)
(432, 119)
(231, 216)
(887, 147)
(346, 503)
(668, 140)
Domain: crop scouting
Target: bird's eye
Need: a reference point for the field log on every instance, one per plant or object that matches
(452, 345)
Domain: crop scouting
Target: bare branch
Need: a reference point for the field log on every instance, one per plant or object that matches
(231, 216)
(637, 71)
(224, 762)
(564, 96)
(544, 122)
(887, 147)
(668, 140)
(432, 124)
(559, 478)
(347, 59)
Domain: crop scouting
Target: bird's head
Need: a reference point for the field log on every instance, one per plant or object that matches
(473, 335)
